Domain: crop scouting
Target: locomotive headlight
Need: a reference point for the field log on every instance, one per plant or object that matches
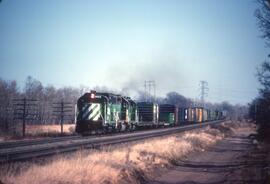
(92, 95)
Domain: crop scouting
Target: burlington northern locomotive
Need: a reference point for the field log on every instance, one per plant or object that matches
(103, 112)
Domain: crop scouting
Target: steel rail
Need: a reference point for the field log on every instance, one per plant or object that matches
(17, 143)
(11, 155)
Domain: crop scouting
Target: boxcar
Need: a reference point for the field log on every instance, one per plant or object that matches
(220, 116)
(190, 115)
(181, 115)
(168, 114)
(198, 114)
(205, 115)
(148, 113)
(212, 115)
(208, 115)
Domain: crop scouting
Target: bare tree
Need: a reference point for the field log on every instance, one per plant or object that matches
(259, 109)
(8, 91)
(263, 16)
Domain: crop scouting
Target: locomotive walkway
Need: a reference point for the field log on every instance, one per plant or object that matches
(235, 160)
(26, 150)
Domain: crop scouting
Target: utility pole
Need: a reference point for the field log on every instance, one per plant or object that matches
(22, 111)
(148, 86)
(24, 115)
(256, 110)
(145, 93)
(61, 110)
(203, 91)
(154, 86)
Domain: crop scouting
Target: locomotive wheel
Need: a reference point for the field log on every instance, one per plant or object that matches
(119, 127)
(105, 130)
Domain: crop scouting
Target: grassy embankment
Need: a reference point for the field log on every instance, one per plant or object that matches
(127, 163)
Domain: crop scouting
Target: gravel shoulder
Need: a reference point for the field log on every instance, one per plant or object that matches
(235, 159)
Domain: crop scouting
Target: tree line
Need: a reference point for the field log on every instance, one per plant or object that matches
(45, 98)
(259, 108)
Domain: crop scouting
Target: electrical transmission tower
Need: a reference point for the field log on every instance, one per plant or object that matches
(62, 110)
(203, 91)
(25, 109)
(148, 85)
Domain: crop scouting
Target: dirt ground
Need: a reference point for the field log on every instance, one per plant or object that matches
(238, 159)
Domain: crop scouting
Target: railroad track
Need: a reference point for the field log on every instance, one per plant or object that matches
(29, 142)
(18, 143)
(34, 150)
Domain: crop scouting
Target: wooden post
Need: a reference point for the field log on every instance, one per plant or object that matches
(62, 115)
(24, 115)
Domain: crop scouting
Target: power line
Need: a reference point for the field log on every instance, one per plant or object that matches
(61, 109)
(148, 85)
(203, 91)
(24, 109)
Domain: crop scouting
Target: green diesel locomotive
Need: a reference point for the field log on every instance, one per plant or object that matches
(102, 112)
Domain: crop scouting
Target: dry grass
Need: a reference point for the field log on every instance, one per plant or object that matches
(2, 138)
(4, 135)
(131, 163)
(37, 130)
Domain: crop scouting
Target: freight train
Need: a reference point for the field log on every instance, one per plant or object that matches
(107, 112)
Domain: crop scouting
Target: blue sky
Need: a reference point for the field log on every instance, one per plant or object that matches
(121, 43)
